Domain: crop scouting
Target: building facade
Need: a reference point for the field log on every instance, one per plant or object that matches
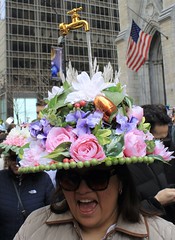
(154, 82)
(29, 29)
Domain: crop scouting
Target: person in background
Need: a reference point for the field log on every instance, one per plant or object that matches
(34, 191)
(91, 140)
(40, 105)
(151, 180)
(20, 194)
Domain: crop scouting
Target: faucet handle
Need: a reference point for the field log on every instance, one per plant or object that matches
(74, 11)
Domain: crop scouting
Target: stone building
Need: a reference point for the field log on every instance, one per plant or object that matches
(155, 80)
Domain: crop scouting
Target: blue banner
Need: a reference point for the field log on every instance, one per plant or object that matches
(56, 62)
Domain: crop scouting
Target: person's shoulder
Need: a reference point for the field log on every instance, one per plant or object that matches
(4, 172)
(161, 227)
(38, 175)
(41, 213)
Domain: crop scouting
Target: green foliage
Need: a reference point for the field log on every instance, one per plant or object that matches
(115, 147)
(60, 152)
(21, 150)
(9, 147)
(150, 145)
(103, 136)
(115, 94)
(159, 158)
(128, 101)
(144, 126)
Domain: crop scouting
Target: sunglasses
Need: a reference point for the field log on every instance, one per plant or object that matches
(96, 180)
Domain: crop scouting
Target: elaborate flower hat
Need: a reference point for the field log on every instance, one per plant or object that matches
(89, 121)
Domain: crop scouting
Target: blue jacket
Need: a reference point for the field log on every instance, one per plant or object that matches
(35, 190)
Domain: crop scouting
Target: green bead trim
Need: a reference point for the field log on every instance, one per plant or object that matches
(109, 161)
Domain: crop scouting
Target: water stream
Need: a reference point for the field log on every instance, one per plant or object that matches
(88, 39)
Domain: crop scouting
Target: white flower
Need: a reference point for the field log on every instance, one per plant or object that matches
(55, 91)
(87, 89)
(108, 73)
(18, 131)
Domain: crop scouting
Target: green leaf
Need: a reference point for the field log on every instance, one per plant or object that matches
(117, 88)
(61, 99)
(60, 152)
(159, 158)
(103, 136)
(115, 148)
(66, 85)
(21, 150)
(128, 101)
(97, 127)
(144, 126)
(115, 97)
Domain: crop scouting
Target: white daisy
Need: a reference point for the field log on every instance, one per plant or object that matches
(87, 89)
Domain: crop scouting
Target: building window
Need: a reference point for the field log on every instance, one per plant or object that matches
(14, 46)
(24, 110)
(15, 62)
(14, 29)
(21, 46)
(14, 13)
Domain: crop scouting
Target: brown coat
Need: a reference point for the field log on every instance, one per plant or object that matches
(42, 224)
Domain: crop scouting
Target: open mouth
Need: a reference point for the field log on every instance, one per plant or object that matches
(87, 206)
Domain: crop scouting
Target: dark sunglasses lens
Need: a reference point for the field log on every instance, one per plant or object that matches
(69, 181)
(97, 180)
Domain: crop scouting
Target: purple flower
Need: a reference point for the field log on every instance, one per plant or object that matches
(35, 128)
(85, 124)
(82, 127)
(125, 125)
(74, 116)
(94, 118)
(40, 129)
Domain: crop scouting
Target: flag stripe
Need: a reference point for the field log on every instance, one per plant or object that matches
(138, 47)
(140, 56)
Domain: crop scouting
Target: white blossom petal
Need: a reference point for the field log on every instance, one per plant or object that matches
(87, 89)
(55, 91)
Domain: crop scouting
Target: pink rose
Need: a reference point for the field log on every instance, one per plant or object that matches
(86, 147)
(161, 150)
(58, 135)
(135, 144)
(137, 112)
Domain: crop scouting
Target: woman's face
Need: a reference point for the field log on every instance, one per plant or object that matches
(13, 166)
(94, 209)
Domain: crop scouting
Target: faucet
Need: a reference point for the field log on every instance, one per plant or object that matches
(75, 24)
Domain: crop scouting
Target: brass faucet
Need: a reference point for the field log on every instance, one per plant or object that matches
(75, 24)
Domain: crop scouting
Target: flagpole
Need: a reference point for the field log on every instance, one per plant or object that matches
(147, 22)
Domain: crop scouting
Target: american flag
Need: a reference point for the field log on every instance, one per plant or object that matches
(138, 47)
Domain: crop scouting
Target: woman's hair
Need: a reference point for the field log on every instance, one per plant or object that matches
(11, 156)
(156, 114)
(128, 201)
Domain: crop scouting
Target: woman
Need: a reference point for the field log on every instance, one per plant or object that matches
(89, 136)
(100, 203)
